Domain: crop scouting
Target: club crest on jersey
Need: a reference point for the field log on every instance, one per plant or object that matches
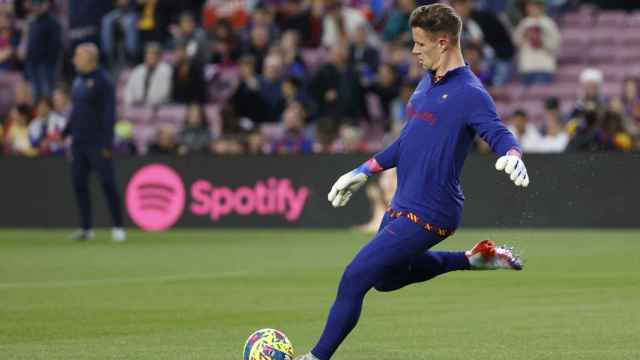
(89, 83)
(442, 98)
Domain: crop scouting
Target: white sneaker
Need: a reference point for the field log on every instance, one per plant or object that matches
(118, 235)
(82, 235)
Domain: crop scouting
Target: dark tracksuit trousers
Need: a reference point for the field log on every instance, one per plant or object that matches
(86, 159)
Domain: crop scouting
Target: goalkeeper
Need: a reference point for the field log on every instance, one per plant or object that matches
(446, 111)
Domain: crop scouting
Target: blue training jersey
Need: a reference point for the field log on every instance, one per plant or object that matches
(442, 122)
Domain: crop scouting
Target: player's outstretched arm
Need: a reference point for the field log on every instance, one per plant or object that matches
(485, 122)
(512, 164)
(347, 184)
(350, 182)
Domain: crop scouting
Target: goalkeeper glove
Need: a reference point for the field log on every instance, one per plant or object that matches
(513, 165)
(347, 184)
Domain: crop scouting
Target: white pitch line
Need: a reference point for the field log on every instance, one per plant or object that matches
(117, 281)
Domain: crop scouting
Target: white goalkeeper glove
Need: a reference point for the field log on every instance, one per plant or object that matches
(346, 185)
(514, 166)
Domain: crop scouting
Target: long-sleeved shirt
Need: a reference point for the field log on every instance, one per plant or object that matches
(93, 113)
(442, 122)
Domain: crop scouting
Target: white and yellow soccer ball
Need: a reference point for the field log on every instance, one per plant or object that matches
(268, 344)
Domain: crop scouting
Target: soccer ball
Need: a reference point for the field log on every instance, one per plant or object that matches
(268, 344)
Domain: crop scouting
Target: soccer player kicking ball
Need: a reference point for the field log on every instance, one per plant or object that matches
(447, 109)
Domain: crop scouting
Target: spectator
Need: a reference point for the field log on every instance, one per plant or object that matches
(228, 145)
(399, 107)
(23, 95)
(538, 39)
(193, 39)
(590, 95)
(235, 132)
(336, 89)
(387, 88)
(326, 136)
(397, 26)
(475, 58)
(9, 42)
(123, 19)
(294, 141)
(264, 18)
(587, 133)
(226, 46)
(195, 136)
(555, 139)
(188, 84)
(631, 99)
(292, 91)
(271, 86)
(294, 64)
(339, 23)
(16, 139)
(150, 82)
(258, 46)
(44, 49)
(363, 57)
(155, 16)
(527, 134)
(45, 130)
(497, 46)
(351, 140)
(84, 20)
(247, 101)
(293, 16)
(612, 135)
(471, 32)
(406, 64)
(61, 101)
(165, 142)
(236, 12)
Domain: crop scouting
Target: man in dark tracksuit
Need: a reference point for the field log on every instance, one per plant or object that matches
(44, 50)
(91, 128)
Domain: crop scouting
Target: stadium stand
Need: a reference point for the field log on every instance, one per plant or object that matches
(592, 41)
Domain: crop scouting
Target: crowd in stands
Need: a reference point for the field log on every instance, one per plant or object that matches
(312, 76)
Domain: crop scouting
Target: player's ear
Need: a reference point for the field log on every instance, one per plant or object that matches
(443, 43)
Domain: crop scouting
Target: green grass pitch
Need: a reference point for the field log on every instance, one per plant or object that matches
(198, 294)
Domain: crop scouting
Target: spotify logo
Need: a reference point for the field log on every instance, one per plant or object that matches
(155, 197)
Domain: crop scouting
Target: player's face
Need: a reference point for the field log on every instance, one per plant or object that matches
(427, 48)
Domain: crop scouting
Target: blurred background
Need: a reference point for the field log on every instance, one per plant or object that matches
(235, 117)
(302, 90)
(314, 76)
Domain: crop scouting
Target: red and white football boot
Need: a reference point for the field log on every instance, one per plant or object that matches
(485, 255)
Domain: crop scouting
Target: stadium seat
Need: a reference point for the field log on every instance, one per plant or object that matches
(628, 55)
(611, 19)
(602, 55)
(172, 114)
(314, 58)
(136, 114)
(271, 131)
